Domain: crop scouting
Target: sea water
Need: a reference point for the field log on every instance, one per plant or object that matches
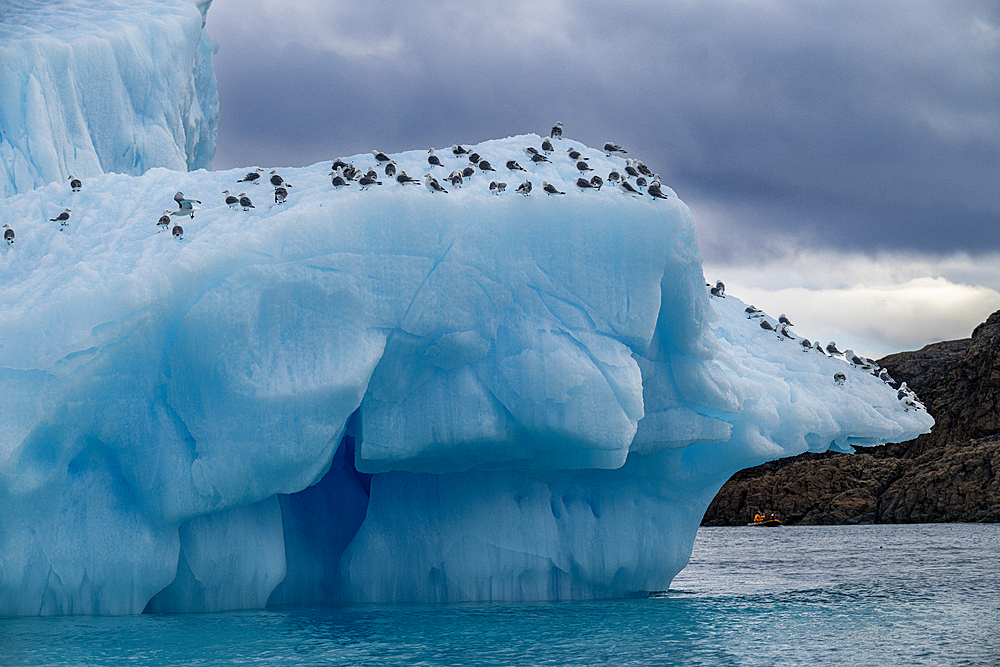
(830, 595)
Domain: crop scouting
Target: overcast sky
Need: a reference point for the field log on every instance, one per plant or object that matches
(841, 159)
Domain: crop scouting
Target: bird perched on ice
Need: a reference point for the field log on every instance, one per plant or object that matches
(485, 166)
(582, 166)
(628, 188)
(631, 170)
(530, 151)
(752, 311)
(596, 181)
(8, 235)
(784, 320)
(547, 146)
(643, 169)
(403, 179)
(556, 131)
(433, 160)
(431, 184)
(185, 205)
(367, 181)
(524, 188)
(551, 189)
(381, 157)
(475, 157)
(251, 177)
(390, 168)
(806, 344)
(280, 193)
(164, 221)
(62, 218)
(818, 346)
(455, 178)
(74, 183)
(884, 376)
(574, 154)
(767, 326)
(514, 166)
(497, 187)
(610, 148)
(178, 232)
(458, 150)
(831, 348)
(469, 172)
(584, 184)
(337, 178)
(839, 378)
(538, 157)
(613, 175)
(784, 333)
(245, 202)
(232, 200)
(719, 290)
(655, 191)
(278, 180)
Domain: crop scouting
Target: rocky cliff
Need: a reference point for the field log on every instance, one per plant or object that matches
(949, 474)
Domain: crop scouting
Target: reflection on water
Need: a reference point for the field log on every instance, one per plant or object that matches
(874, 595)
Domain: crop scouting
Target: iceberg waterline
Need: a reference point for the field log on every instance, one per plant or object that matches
(382, 395)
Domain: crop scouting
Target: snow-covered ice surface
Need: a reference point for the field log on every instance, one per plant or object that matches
(381, 395)
(94, 86)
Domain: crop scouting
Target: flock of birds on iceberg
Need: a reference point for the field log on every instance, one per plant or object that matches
(635, 179)
(904, 394)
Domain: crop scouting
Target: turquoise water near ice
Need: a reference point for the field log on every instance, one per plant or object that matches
(831, 595)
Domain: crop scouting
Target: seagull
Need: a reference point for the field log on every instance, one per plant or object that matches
(381, 158)
(178, 232)
(74, 183)
(164, 221)
(279, 194)
(186, 206)
(630, 170)
(643, 169)
(839, 378)
(574, 154)
(717, 291)
(751, 311)
(433, 160)
(278, 181)
(8, 235)
(475, 157)
(721, 286)
(610, 148)
(245, 202)
(232, 200)
(390, 168)
(485, 166)
(338, 180)
(818, 346)
(530, 151)
(469, 172)
(784, 320)
(496, 188)
(538, 157)
(556, 131)
(613, 176)
(251, 177)
(596, 181)
(832, 349)
(456, 178)
(431, 184)
(458, 150)
(514, 166)
(627, 187)
(884, 376)
(641, 181)
(547, 146)
(551, 189)
(367, 181)
(62, 218)
(764, 324)
(524, 188)
(654, 191)
(806, 344)
(403, 179)
(338, 164)
(584, 184)
(583, 166)
(784, 332)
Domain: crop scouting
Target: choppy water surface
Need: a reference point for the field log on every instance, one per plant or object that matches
(850, 595)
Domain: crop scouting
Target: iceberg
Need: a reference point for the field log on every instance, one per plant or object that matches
(91, 86)
(380, 395)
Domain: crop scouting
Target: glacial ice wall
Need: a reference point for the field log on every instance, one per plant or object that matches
(91, 86)
(379, 395)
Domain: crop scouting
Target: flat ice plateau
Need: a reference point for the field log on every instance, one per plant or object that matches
(380, 395)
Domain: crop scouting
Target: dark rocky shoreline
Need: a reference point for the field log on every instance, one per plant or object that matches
(949, 474)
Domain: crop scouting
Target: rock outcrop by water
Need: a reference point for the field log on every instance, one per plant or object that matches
(949, 474)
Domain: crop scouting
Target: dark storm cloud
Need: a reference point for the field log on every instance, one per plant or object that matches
(855, 125)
